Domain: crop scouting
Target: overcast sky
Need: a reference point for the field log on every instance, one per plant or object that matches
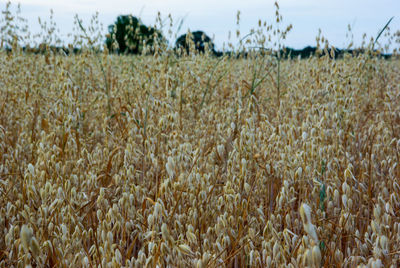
(218, 17)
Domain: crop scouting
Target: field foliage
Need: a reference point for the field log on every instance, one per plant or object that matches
(183, 161)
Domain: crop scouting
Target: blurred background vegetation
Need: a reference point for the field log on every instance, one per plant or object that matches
(129, 35)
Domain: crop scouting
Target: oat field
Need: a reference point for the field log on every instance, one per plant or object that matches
(196, 161)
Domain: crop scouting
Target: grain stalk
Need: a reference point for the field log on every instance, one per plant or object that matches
(99, 62)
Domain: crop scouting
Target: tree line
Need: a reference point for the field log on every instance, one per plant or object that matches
(128, 35)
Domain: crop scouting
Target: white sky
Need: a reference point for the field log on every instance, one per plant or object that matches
(217, 17)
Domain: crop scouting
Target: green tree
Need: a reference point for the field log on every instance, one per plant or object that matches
(128, 35)
(200, 41)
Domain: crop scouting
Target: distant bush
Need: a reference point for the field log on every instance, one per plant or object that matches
(200, 41)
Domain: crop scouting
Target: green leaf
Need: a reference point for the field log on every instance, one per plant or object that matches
(322, 246)
(322, 196)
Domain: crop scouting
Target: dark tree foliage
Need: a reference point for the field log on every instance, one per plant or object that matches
(313, 51)
(200, 40)
(129, 33)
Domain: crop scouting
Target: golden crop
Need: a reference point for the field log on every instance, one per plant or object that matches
(162, 161)
(145, 175)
